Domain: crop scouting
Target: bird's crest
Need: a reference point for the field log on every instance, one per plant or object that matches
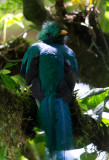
(50, 29)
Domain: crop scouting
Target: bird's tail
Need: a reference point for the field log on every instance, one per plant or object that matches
(55, 120)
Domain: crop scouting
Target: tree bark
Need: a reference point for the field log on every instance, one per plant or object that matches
(60, 9)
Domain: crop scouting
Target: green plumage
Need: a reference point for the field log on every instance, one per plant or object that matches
(54, 115)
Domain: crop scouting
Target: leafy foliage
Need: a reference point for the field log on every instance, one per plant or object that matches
(9, 19)
(15, 83)
(11, 13)
(3, 151)
(10, 6)
(89, 156)
(96, 100)
(9, 82)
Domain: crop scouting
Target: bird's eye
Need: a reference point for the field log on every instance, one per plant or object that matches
(48, 35)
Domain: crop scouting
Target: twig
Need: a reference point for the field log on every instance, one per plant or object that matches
(97, 48)
(10, 49)
(11, 61)
(21, 35)
(7, 45)
(105, 42)
(16, 47)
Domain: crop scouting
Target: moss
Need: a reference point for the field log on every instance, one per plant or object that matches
(13, 110)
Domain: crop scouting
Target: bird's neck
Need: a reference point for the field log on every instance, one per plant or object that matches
(57, 40)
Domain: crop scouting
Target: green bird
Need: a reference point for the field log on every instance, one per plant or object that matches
(51, 67)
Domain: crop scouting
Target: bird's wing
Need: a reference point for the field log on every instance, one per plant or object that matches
(32, 77)
(31, 52)
(67, 83)
(70, 57)
(23, 65)
(33, 70)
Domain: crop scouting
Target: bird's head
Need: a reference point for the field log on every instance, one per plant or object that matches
(52, 32)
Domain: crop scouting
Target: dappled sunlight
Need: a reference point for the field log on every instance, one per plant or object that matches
(82, 88)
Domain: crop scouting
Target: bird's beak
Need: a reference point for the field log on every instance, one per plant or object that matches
(63, 32)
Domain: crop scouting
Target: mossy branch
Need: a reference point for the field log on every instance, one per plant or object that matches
(18, 117)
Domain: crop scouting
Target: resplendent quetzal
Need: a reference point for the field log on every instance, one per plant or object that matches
(51, 67)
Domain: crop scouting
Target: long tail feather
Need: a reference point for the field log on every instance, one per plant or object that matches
(46, 121)
(63, 126)
(55, 120)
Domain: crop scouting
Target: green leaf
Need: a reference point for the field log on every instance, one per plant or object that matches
(38, 149)
(88, 156)
(33, 27)
(83, 107)
(3, 151)
(18, 79)
(23, 158)
(9, 82)
(5, 71)
(105, 121)
(21, 81)
(67, 1)
(98, 111)
(41, 145)
(8, 65)
(93, 101)
(93, 92)
(52, 1)
(40, 138)
(106, 100)
(20, 24)
(104, 15)
(18, 16)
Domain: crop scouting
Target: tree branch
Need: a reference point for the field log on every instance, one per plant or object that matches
(35, 11)
(10, 60)
(60, 9)
(104, 39)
